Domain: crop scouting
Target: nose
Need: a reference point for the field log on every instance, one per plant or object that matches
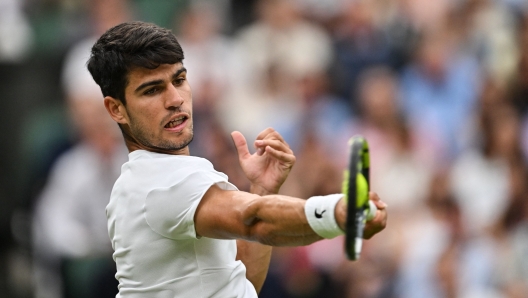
(174, 98)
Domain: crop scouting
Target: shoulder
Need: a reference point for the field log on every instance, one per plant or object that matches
(144, 162)
(153, 157)
(163, 170)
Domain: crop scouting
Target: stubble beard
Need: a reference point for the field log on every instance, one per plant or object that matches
(148, 140)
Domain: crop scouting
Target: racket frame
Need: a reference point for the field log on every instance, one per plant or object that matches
(359, 162)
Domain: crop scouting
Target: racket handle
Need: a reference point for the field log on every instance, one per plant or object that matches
(372, 210)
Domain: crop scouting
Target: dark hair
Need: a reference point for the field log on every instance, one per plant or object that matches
(127, 46)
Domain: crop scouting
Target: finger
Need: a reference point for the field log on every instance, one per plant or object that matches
(267, 135)
(376, 225)
(275, 135)
(280, 155)
(381, 217)
(270, 133)
(380, 205)
(374, 196)
(264, 133)
(377, 201)
(275, 144)
(240, 144)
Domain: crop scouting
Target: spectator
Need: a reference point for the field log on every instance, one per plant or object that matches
(429, 83)
(480, 176)
(16, 34)
(440, 89)
(519, 89)
(404, 156)
(490, 35)
(359, 43)
(274, 52)
(512, 234)
(69, 224)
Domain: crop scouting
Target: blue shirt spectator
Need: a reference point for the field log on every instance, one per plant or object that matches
(439, 91)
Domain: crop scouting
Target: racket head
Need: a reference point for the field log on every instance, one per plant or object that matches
(356, 188)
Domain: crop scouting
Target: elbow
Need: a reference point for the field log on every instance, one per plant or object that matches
(263, 233)
(255, 228)
(276, 222)
(249, 212)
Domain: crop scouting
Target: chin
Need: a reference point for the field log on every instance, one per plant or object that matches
(183, 141)
(186, 141)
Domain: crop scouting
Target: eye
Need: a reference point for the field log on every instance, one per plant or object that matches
(151, 91)
(179, 81)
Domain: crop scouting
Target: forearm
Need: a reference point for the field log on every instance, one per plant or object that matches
(274, 220)
(281, 221)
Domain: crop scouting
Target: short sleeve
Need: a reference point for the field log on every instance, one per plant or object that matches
(170, 211)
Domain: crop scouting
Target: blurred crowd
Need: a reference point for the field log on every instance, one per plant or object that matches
(439, 89)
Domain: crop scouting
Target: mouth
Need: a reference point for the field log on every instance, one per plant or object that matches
(177, 123)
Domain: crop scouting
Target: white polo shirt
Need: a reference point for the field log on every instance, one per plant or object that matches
(151, 227)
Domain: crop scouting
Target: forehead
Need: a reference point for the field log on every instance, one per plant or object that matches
(140, 75)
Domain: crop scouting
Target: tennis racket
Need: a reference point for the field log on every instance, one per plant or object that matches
(356, 190)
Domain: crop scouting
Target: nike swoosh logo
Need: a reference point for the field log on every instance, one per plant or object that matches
(319, 215)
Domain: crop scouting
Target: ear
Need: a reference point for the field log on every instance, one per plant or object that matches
(116, 109)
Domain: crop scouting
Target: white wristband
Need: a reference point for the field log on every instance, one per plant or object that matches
(320, 212)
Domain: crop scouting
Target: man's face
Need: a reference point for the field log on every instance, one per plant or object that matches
(158, 109)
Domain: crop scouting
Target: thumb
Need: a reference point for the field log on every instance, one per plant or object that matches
(240, 144)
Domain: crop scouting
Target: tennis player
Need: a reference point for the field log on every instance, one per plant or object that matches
(177, 226)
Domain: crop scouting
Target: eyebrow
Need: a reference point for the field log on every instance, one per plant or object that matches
(157, 82)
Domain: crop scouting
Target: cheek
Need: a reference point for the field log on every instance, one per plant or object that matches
(187, 101)
(187, 93)
(141, 117)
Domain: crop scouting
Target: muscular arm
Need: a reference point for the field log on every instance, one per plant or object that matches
(274, 220)
(262, 218)
(240, 215)
(256, 256)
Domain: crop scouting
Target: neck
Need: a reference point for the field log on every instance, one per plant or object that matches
(133, 145)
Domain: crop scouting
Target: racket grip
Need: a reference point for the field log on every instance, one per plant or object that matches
(372, 210)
